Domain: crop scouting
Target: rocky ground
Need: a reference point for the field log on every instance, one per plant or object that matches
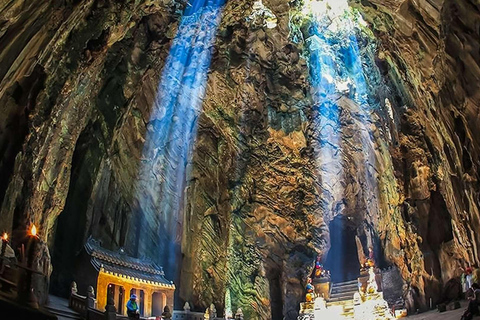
(447, 315)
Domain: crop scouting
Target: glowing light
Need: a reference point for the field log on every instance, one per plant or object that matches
(271, 23)
(5, 237)
(330, 8)
(33, 230)
(262, 15)
(361, 21)
(337, 70)
(171, 131)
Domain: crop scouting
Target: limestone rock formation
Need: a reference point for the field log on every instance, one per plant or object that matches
(271, 166)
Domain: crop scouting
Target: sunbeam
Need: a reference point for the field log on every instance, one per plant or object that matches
(171, 131)
(340, 93)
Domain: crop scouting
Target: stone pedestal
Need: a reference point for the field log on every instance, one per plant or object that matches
(364, 277)
(110, 312)
(322, 287)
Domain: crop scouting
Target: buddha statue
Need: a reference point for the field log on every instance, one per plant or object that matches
(371, 258)
(310, 290)
(319, 271)
(372, 286)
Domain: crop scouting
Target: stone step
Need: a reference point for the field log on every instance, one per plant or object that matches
(342, 296)
(343, 292)
(345, 283)
(64, 314)
(343, 303)
(345, 289)
(348, 285)
(347, 308)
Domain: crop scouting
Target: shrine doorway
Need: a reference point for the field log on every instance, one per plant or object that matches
(342, 259)
(159, 301)
(120, 300)
(140, 299)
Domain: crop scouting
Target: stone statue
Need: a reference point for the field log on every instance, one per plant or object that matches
(73, 291)
(318, 267)
(186, 307)
(357, 298)
(262, 16)
(213, 311)
(371, 257)
(310, 290)
(166, 314)
(372, 286)
(91, 301)
(239, 314)
(90, 292)
(73, 288)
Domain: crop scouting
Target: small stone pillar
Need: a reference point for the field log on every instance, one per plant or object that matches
(110, 310)
(166, 314)
(73, 291)
(91, 301)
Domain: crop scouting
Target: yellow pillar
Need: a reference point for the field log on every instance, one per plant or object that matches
(147, 302)
(102, 289)
(170, 296)
(127, 297)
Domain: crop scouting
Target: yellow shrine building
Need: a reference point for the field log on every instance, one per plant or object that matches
(121, 276)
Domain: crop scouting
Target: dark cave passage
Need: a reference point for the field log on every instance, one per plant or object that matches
(342, 259)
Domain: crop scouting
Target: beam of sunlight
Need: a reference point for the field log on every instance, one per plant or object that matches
(336, 70)
(171, 131)
(325, 87)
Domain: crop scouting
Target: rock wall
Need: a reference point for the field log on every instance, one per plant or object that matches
(78, 81)
(425, 49)
(75, 83)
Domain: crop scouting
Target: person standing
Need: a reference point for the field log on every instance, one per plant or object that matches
(473, 297)
(468, 277)
(132, 307)
(463, 280)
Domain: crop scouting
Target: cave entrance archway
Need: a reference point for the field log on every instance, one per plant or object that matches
(342, 259)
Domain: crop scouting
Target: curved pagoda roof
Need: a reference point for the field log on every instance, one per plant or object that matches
(121, 264)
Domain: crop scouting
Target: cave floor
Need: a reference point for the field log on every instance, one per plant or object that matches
(59, 306)
(447, 315)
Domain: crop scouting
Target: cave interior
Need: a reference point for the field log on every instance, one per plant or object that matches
(231, 144)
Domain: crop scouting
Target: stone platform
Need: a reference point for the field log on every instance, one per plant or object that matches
(447, 315)
(20, 311)
(59, 307)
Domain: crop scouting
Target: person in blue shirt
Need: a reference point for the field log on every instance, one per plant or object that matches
(132, 307)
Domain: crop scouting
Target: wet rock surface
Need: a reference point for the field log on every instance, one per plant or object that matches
(78, 82)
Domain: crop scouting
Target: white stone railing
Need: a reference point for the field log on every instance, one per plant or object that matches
(187, 315)
(209, 314)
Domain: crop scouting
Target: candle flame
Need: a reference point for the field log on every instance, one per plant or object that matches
(33, 230)
(5, 236)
